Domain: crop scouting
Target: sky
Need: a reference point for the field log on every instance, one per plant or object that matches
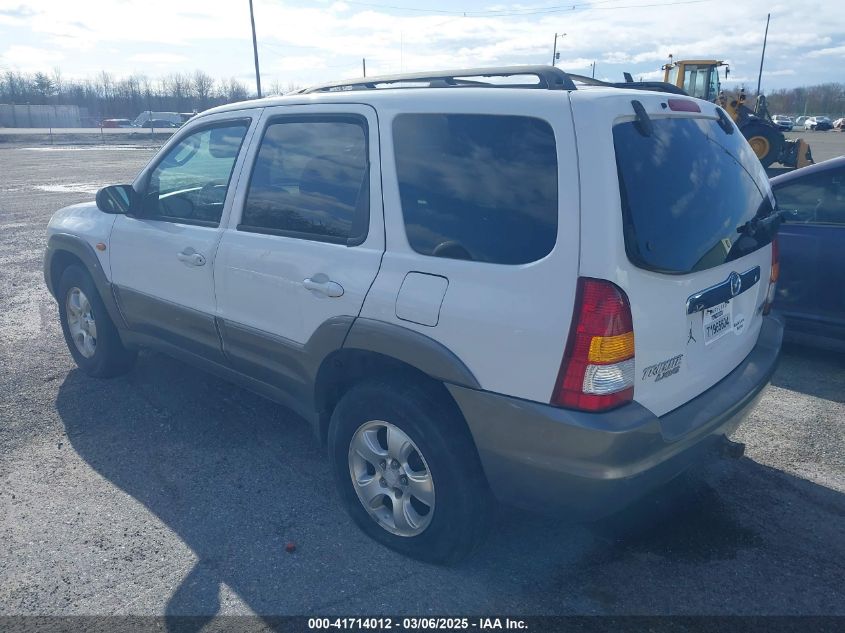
(303, 43)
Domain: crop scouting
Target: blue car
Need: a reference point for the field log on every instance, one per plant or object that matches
(811, 288)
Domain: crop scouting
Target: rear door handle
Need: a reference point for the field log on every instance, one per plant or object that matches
(322, 284)
(190, 257)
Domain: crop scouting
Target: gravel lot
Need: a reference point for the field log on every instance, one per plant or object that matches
(170, 492)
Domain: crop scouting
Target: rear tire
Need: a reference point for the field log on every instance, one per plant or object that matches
(452, 514)
(765, 140)
(89, 332)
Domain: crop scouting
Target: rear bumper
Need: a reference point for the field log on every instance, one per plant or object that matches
(590, 464)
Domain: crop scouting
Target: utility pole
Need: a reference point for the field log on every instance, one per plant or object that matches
(255, 50)
(364, 64)
(763, 56)
(555, 54)
(594, 70)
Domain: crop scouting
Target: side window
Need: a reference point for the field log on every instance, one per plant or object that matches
(477, 187)
(310, 180)
(815, 199)
(190, 183)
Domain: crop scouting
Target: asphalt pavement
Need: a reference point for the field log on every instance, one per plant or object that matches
(168, 491)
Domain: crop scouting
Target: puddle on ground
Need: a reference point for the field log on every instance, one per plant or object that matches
(85, 148)
(73, 187)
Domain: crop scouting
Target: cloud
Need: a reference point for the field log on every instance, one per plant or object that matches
(30, 58)
(826, 52)
(15, 10)
(158, 58)
(309, 42)
(295, 63)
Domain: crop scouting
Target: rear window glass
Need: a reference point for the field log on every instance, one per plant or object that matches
(686, 189)
(477, 187)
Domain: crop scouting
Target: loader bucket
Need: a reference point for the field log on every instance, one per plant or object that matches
(796, 153)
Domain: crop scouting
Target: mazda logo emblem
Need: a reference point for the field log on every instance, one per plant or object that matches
(736, 284)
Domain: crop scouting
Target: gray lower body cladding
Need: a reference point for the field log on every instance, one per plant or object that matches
(591, 464)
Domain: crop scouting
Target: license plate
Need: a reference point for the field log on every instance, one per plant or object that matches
(717, 322)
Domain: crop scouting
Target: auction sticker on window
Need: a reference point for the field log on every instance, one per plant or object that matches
(717, 322)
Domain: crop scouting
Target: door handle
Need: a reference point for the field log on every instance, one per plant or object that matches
(322, 284)
(190, 257)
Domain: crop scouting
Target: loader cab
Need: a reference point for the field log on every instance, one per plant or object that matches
(699, 78)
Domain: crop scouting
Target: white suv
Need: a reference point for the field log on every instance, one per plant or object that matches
(550, 294)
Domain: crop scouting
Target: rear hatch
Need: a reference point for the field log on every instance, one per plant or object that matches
(669, 222)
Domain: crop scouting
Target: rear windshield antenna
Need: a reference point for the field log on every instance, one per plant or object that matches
(642, 122)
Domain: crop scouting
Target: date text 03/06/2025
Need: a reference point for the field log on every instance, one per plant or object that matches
(412, 624)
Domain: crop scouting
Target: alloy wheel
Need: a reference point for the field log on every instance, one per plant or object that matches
(392, 478)
(80, 322)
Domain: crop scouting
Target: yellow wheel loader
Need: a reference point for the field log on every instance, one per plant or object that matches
(700, 78)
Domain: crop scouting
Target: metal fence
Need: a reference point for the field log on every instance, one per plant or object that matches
(39, 116)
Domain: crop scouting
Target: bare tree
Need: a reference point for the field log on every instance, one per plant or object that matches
(58, 82)
(234, 90)
(203, 85)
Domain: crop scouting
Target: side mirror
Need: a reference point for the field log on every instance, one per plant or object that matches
(116, 199)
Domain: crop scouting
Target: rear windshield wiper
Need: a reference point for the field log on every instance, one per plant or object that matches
(767, 220)
(768, 224)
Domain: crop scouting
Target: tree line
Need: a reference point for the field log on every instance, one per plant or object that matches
(107, 96)
(823, 99)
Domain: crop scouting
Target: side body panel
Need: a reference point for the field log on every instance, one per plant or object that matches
(162, 292)
(800, 247)
(266, 313)
(810, 291)
(87, 223)
(507, 323)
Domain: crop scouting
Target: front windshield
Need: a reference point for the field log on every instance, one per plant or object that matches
(714, 88)
(695, 81)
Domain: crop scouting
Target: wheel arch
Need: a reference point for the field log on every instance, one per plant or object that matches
(65, 250)
(375, 349)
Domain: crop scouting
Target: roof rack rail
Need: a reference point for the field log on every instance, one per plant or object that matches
(549, 78)
(656, 86)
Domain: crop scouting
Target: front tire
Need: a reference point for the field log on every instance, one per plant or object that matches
(765, 140)
(90, 335)
(407, 470)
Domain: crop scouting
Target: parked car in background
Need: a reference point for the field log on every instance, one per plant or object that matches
(115, 123)
(839, 124)
(811, 292)
(818, 123)
(799, 121)
(153, 125)
(143, 119)
(160, 123)
(783, 122)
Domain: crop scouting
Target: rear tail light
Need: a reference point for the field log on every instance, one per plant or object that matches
(597, 372)
(773, 277)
